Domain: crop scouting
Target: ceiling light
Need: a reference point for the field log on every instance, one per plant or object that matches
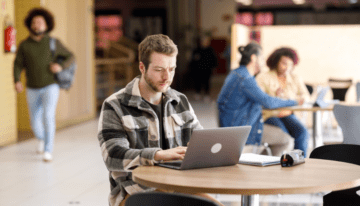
(245, 2)
(300, 1)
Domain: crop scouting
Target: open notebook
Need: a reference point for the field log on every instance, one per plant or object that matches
(258, 160)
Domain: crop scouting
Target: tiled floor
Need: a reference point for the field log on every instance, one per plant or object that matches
(77, 175)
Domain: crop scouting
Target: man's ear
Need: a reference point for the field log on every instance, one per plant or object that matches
(253, 58)
(142, 68)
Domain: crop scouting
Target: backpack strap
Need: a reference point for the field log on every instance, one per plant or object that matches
(52, 46)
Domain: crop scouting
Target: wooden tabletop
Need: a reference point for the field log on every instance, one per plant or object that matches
(313, 176)
(303, 108)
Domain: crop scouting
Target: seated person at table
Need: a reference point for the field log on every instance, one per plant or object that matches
(241, 100)
(145, 122)
(281, 82)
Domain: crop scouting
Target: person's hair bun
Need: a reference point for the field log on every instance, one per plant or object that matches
(241, 49)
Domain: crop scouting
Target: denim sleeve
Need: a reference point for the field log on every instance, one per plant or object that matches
(253, 92)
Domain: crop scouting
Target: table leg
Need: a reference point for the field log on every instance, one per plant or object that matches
(317, 134)
(250, 200)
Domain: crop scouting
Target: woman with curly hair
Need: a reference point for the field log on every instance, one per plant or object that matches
(35, 57)
(281, 82)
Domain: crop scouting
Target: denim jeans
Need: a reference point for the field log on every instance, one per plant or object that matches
(42, 104)
(295, 128)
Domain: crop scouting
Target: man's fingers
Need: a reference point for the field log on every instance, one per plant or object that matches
(178, 157)
(181, 150)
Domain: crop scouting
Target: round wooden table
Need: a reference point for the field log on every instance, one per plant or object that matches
(315, 175)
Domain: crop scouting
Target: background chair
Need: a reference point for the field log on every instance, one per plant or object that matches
(358, 92)
(348, 118)
(173, 199)
(275, 141)
(309, 88)
(344, 153)
(339, 87)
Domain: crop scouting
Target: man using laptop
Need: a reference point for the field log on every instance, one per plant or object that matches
(146, 122)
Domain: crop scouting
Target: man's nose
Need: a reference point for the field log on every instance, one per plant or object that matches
(166, 74)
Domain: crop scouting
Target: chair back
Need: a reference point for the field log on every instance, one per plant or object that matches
(344, 153)
(339, 87)
(348, 118)
(339, 152)
(309, 88)
(173, 199)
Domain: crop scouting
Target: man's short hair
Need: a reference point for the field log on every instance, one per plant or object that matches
(49, 18)
(156, 43)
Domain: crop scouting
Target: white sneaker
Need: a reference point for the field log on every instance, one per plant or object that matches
(47, 156)
(40, 148)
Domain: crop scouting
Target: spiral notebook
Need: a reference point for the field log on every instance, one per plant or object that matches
(258, 160)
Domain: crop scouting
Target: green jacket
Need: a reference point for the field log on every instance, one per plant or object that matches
(35, 57)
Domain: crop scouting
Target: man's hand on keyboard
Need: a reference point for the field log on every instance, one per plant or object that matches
(176, 153)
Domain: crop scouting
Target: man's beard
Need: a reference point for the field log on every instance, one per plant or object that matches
(37, 33)
(153, 86)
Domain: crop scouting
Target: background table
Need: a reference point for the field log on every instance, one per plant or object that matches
(316, 125)
(313, 176)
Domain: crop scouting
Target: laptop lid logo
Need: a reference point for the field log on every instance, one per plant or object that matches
(216, 148)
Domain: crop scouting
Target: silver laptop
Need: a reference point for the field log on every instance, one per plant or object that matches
(319, 101)
(212, 148)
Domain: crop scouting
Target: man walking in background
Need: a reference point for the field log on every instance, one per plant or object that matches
(35, 57)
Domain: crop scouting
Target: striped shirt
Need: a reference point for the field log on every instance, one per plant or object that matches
(129, 130)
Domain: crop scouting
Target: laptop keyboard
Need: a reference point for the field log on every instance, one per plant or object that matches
(172, 164)
(177, 163)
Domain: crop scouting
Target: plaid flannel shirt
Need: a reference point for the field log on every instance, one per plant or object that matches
(128, 133)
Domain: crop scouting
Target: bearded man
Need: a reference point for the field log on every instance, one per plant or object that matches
(147, 121)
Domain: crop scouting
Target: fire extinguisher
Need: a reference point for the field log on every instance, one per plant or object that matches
(9, 37)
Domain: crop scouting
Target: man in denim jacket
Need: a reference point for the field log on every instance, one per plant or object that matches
(145, 122)
(241, 100)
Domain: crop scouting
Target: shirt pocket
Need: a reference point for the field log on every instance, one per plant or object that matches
(180, 127)
(137, 129)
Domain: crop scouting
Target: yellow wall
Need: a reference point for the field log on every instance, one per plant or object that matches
(8, 132)
(78, 104)
(74, 27)
(239, 37)
(22, 7)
